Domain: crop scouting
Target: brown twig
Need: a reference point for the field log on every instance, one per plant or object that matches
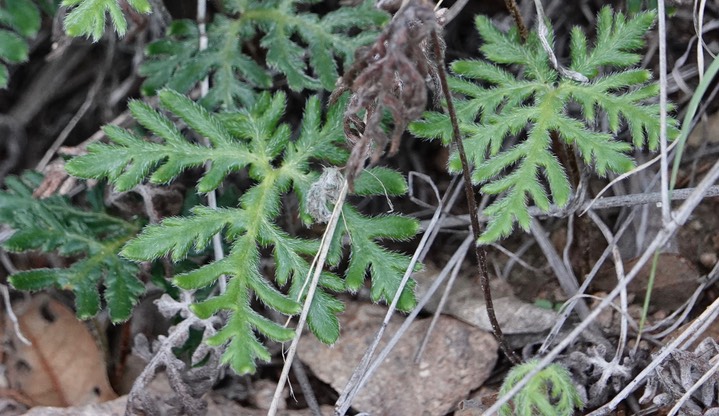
(518, 20)
(480, 252)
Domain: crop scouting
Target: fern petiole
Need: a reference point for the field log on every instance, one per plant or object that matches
(479, 250)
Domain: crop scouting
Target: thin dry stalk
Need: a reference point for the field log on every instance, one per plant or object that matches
(604, 203)
(448, 200)
(569, 305)
(11, 314)
(319, 263)
(625, 175)
(480, 251)
(680, 216)
(514, 258)
(438, 312)
(218, 251)
(623, 303)
(526, 245)
(664, 164)
(518, 20)
(361, 373)
(298, 369)
(567, 280)
(457, 258)
(86, 105)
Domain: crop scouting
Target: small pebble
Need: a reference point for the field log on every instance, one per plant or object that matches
(708, 259)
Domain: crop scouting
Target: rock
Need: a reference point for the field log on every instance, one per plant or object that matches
(675, 281)
(458, 359)
(521, 322)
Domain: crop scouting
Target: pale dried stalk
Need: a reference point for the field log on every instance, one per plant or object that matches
(664, 163)
(361, 373)
(218, 252)
(570, 303)
(456, 259)
(319, 262)
(680, 216)
(603, 203)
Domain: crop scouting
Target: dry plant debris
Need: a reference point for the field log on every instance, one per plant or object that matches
(679, 372)
(64, 365)
(391, 75)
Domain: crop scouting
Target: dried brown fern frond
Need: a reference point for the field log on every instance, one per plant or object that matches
(392, 75)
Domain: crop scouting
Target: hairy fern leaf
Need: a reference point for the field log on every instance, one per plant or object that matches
(87, 17)
(22, 18)
(95, 238)
(176, 63)
(386, 268)
(253, 140)
(498, 105)
(549, 393)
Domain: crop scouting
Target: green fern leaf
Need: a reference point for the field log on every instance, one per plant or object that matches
(87, 17)
(54, 225)
(128, 162)
(549, 393)
(21, 15)
(176, 63)
(498, 105)
(385, 267)
(23, 19)
(253, 140)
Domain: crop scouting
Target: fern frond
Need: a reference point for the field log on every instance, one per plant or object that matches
(497, 105)
(53, 225)
(87, 17)
(176, 63)
(549, 393)
(131, 159)
(256, 141)
(22, 18)
(385, 267)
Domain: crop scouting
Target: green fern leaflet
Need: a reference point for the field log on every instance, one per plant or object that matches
(22, 19)
(87, 17)
(539, 105)
(254, 141)
(53, 225)
(549, 393)
(175, 62)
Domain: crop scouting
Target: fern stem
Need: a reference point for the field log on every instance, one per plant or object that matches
(479, 250)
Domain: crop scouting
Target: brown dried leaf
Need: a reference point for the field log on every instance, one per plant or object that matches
(391, 75)
(63, 366)
(56, 181)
